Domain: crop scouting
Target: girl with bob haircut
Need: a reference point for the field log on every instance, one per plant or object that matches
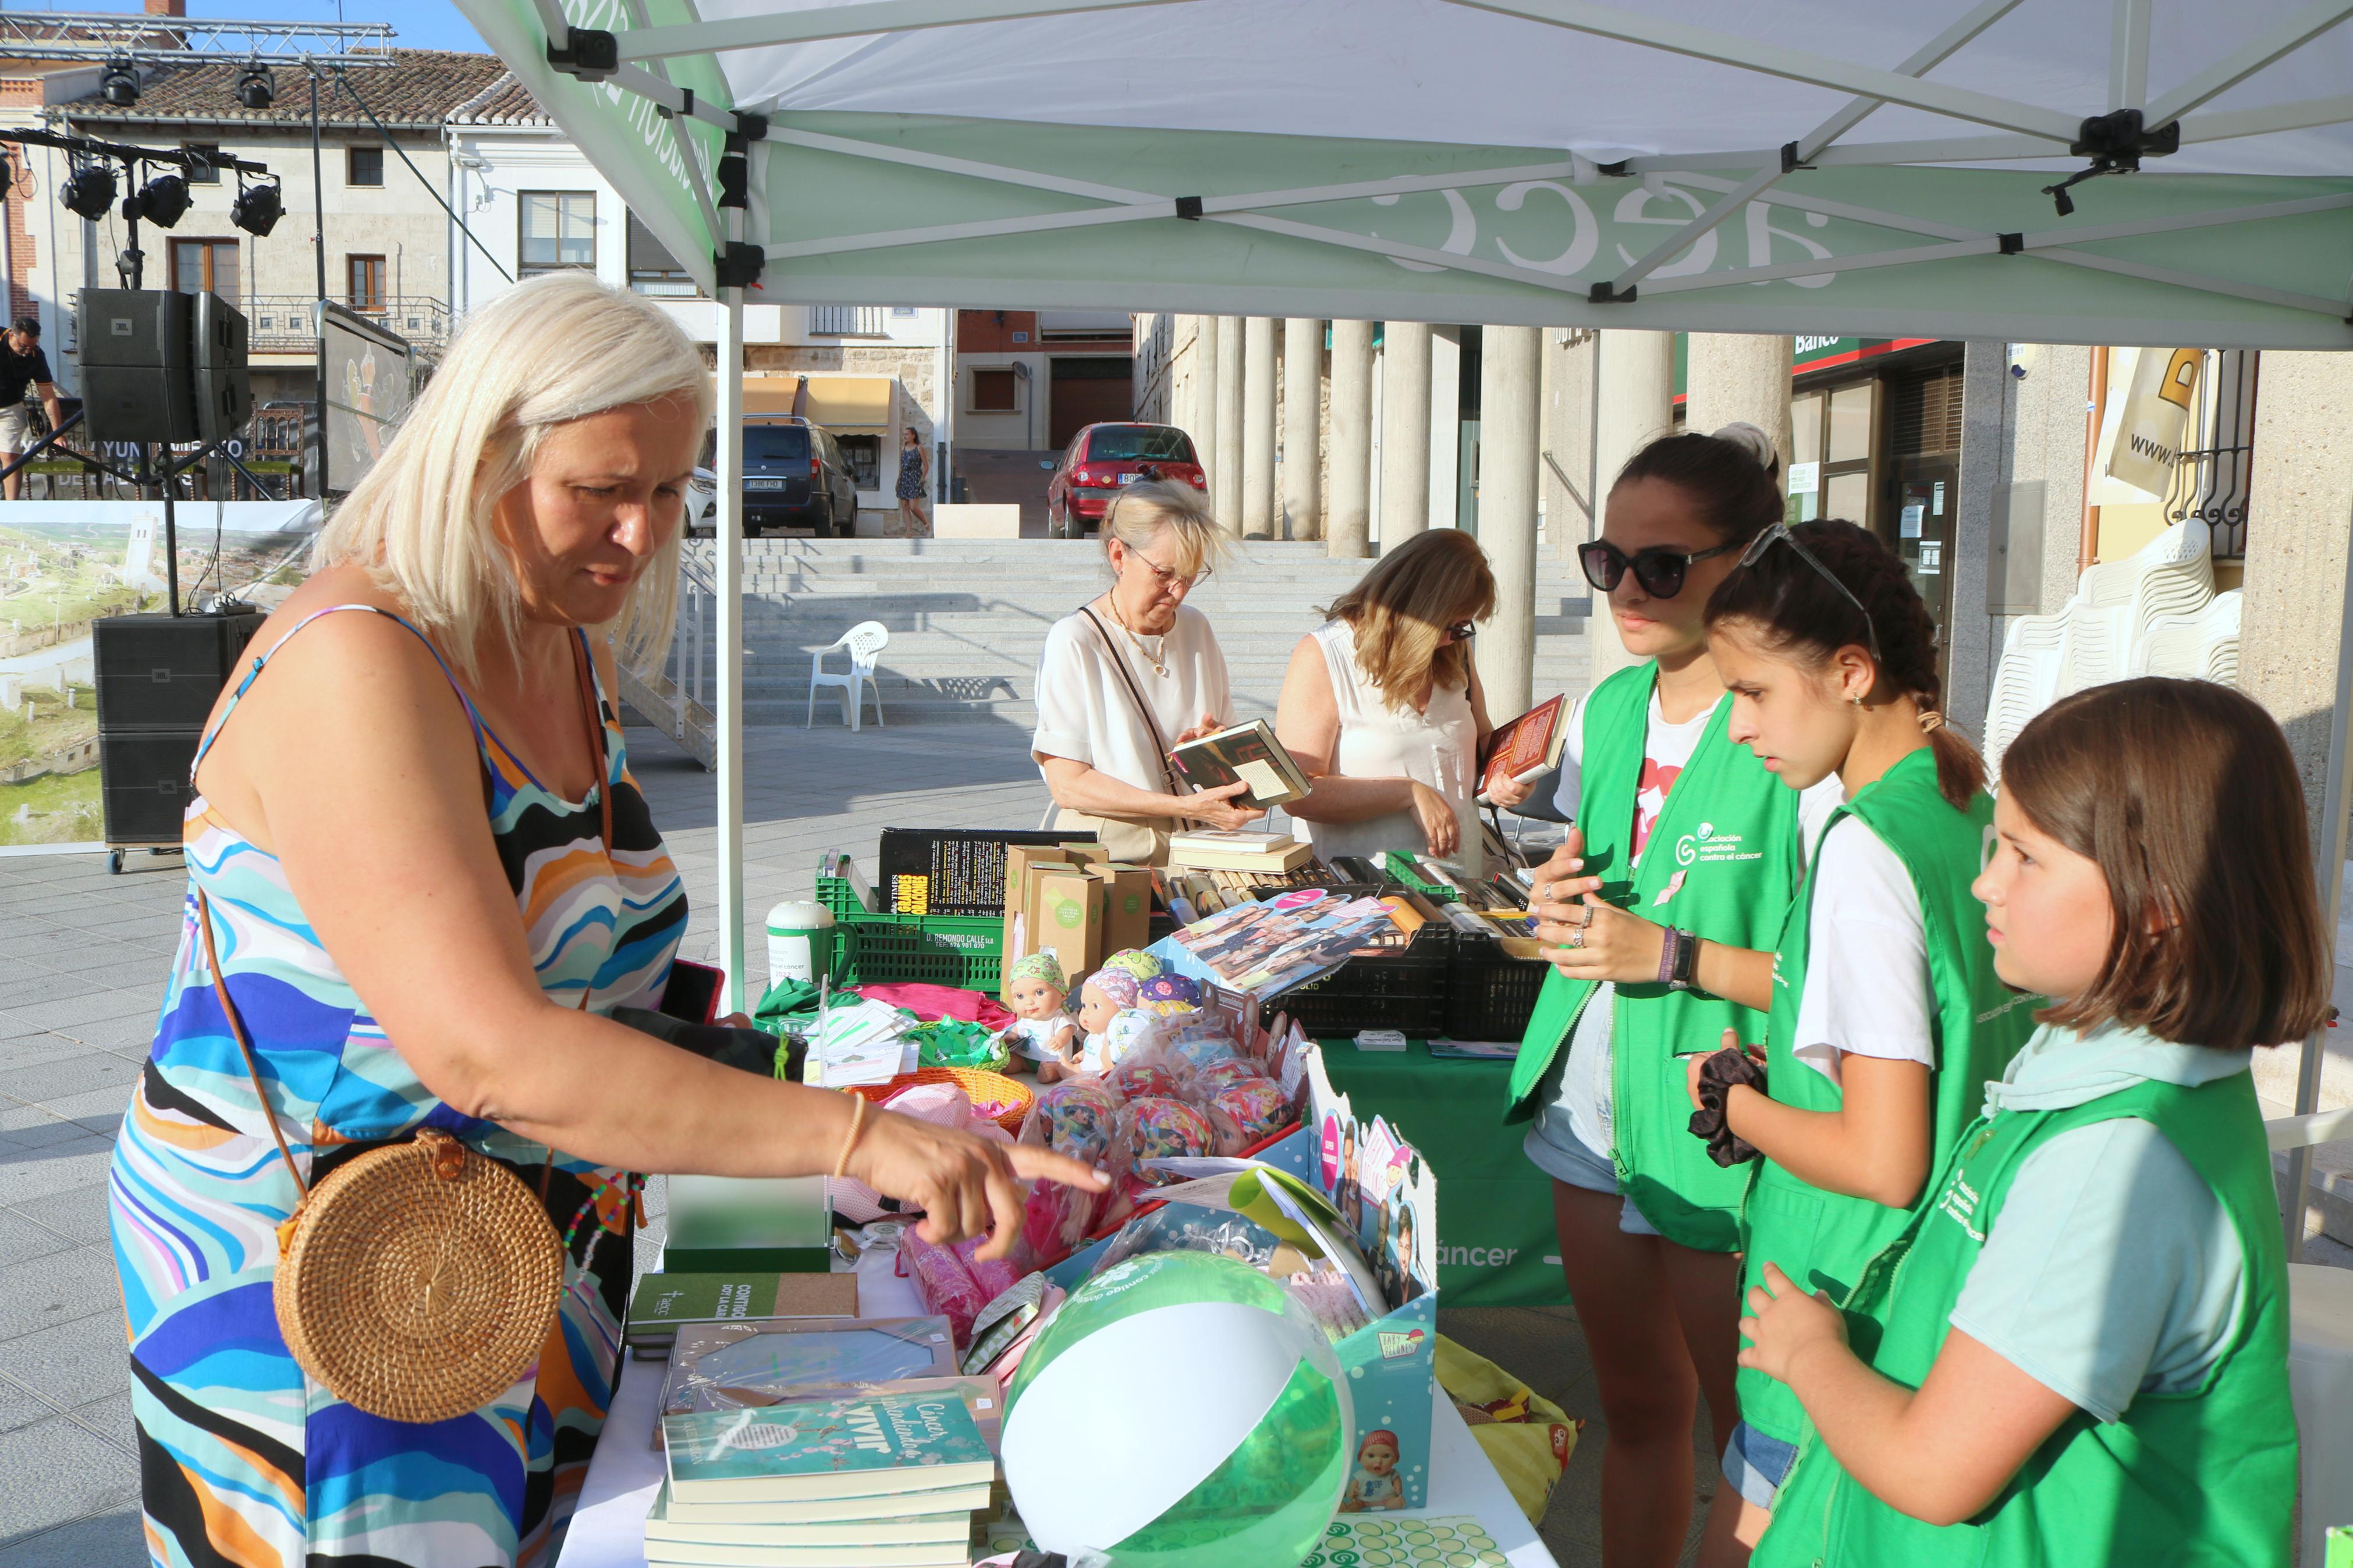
(1383, 710)
(1132, 673)
(2084, 1349)
(1659, 913)
(422, 873)
(1887, 1016)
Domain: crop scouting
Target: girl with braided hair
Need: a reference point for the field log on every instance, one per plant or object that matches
(1887, 1017)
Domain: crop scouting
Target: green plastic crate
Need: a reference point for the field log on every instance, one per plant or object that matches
(963, 951)
(1400, 869)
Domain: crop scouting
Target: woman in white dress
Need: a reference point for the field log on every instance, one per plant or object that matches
(1132, 673)
(1381, 707)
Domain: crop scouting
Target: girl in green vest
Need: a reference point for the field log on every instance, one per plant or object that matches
(1658, 915)
(1887, 1016)
(2084, 1357)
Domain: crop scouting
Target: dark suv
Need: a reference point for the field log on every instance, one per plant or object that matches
(796, 477)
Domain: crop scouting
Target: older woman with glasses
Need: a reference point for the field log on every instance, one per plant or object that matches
(1381, 707)
(1131, 673)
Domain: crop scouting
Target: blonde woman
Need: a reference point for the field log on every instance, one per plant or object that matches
(1133, 672)
(1381, 707)
(419, 854)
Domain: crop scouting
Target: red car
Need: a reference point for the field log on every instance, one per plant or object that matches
(1104, 458)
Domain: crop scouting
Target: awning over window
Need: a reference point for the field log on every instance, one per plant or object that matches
(845, 404)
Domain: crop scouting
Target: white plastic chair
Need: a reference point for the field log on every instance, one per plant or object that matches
(865, 642)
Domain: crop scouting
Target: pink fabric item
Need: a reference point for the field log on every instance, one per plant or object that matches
(942, 1105)
(932, 1003)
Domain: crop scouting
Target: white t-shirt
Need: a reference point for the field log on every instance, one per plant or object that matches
(1866, 989)
(1582, 1105)
(1085, 711)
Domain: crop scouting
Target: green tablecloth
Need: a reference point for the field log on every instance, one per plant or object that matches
(1496, 1247)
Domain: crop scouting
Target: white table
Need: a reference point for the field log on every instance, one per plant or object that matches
(608, 1531)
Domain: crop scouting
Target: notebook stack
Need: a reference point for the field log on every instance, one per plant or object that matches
(860, 1480)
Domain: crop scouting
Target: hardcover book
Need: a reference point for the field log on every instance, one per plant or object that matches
(1247, 754)
(1528, 744)
(803, 1450)
(762, 1528)
(727, 1364)
(664, 1301)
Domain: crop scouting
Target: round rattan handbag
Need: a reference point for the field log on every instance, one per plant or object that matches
(420, 1280)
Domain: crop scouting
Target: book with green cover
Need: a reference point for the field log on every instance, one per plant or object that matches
(898, 1530)
(805, 1449)
(662, 1302)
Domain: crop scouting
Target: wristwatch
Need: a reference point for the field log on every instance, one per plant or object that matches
(1679, 960)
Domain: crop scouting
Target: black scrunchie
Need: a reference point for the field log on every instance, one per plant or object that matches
(1717, 1075)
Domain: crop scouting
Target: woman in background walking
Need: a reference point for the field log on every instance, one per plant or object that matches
(914, 482)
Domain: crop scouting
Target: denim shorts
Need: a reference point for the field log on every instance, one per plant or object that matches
(1754, 1465)
(1553, 1148)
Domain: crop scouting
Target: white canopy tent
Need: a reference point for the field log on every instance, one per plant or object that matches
(1715, 165)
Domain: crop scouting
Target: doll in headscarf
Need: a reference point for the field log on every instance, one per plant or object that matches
(1115, 1025)
(1042, 1030)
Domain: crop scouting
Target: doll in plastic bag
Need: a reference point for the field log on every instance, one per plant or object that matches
(1154, 1128)
(1115, 1025)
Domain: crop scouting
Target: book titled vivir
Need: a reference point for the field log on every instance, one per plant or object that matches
(801, 1449)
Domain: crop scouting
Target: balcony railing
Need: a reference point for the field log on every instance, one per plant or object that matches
(848, 321)
(286, 323)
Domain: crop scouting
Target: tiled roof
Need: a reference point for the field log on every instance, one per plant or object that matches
(505, 101)
(417, 90)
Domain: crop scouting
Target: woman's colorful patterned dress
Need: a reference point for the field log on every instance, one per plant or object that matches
(243, 1461)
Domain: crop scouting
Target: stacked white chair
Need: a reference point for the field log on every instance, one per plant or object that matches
(2125, 617)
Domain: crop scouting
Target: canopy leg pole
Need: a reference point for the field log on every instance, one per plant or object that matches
(728, 543)
(2329, 869)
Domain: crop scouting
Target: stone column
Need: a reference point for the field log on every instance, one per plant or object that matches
(1509, 418)
(1445, 426)
(1303, 421)
(1349, 532)
(1259, 518)
(1200, 419)
(1740, 375)
(1228, 482)
(1636, 405)
(1973, 634)
(1405, 432)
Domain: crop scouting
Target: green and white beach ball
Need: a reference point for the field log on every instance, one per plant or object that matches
(1180, 1410)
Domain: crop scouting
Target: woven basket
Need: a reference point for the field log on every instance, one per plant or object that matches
(422, 1282)
(1004, 1100)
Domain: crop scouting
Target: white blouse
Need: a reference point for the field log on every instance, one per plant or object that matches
(1437, 747)
(1085, 711)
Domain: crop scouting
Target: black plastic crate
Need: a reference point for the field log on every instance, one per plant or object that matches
(1489, 995)
(1405, 987)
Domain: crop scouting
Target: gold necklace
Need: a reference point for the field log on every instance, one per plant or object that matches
(1158, 667)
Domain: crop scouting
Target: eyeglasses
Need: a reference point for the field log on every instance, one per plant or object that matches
(1659, 569)
(1168, 578)
(1779, 533)
(1463, 631)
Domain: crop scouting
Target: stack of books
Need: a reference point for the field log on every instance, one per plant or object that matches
(1237, 849)
(873, 1480)
(667, 1301)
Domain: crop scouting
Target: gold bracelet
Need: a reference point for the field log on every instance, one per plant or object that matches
(857, 1120)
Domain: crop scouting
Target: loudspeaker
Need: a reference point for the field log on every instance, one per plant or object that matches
(143, 789)
(161, 673)
(223, 391)
(137, 383)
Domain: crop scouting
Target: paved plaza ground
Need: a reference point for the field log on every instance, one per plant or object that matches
(83, 957)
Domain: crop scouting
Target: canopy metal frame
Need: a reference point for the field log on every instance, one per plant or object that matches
(631, 61)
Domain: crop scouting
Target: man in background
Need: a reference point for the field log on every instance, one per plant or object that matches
(23, 365)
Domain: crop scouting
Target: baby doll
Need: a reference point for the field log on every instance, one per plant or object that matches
(1108, 1012)
(1042, 1029)
(1376, 1483)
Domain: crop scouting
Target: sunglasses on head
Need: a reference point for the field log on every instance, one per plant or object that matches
(1779, 534)
(1660, 570)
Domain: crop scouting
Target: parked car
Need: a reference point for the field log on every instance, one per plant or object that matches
(1101, 459)
(795, 476)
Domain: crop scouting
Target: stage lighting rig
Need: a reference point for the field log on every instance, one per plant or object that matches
(257, 208)
(256, 87)
(161, 201)
(119, 85)
(90, 190)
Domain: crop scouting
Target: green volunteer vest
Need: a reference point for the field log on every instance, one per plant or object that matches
(1722, 862)
(2202, 1479)
(1824, 1239)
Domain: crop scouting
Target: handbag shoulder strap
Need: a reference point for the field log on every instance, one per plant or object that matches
(244, 1042)
(1136, 695)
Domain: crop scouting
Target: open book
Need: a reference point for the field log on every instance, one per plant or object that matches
(1248, 753)
(1527, 745)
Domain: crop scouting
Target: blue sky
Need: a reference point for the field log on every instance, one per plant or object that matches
(421, 24)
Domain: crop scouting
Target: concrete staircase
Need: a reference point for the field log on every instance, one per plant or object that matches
(967, 618)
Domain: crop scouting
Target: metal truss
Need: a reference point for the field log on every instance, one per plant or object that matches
(180, 40)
